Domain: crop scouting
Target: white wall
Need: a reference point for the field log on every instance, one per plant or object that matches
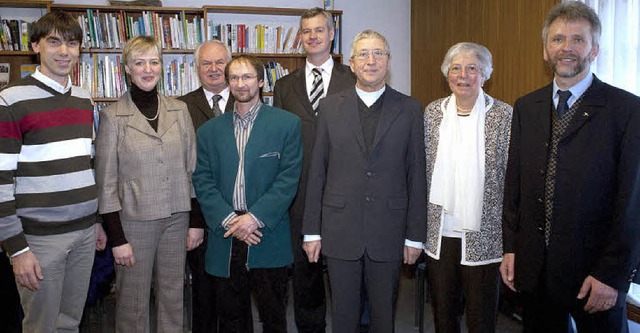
(391, 18)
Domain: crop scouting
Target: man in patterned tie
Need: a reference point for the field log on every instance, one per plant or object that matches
(300, 93)
(571, 220)
(204, 103)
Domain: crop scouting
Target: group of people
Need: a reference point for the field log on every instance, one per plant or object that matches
(343, 169)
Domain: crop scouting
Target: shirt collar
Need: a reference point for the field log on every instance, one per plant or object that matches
(224, 94)
(52, 83)
(576, 91)
(249, 117)
(370, 97)
(326, 67)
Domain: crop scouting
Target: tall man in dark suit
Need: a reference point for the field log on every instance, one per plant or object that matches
(366, 193)
(294, 94)
(247, 174)
(572, 197)
(210, 100)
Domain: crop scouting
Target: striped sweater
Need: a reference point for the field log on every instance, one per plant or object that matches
(47, 184)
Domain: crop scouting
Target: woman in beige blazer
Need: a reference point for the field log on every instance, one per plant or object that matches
(145, 154)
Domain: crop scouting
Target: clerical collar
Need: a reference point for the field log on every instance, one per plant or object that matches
(370, 97)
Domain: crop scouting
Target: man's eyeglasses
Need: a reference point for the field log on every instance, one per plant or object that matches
(470, 69)
(365, 54)
(244, 77)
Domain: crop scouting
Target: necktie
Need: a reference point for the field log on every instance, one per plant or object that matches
(215, 107)
(563, 106)
(317, 89)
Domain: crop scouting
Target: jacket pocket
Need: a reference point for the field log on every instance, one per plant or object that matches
(270, 154)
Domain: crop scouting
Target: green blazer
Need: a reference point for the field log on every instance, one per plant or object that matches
(273, 159)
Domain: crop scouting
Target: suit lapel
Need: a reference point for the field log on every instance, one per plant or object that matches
(389, 113)
(168, 116)
(136, 120)
(300, 90)
(337, 77)
(592, 102)
(538, 117)
(202, 104)
(350, 109)
(230, 102)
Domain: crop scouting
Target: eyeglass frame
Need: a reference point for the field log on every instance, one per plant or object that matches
(243, 77)
(471, 69)
(377, 54)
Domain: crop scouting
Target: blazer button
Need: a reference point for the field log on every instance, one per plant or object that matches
(540, 200)
(368, 200)
(369, 174)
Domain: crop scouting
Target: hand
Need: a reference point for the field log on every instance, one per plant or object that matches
(101, 237)
(312, 249)
(244, 228)
(411, 254)
(26, 268)
(194, 238)
(506, 270)
(601, 298)
(123, 255)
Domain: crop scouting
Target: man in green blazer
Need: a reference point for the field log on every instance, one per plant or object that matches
(247, 173)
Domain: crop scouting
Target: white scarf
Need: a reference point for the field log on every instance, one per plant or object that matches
(457, 183)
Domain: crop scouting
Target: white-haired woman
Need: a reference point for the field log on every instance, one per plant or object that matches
(466, 138)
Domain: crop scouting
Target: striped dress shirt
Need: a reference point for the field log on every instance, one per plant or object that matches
(242, 130)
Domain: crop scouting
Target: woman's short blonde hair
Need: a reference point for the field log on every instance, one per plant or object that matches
(140, 44)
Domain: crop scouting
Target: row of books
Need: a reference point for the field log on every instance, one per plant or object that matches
(273, 71)
(260, 38)
(263, 38)
(14, 35)
(112, 29)
(104, 76)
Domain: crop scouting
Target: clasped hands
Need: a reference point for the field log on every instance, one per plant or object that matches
(244, 228)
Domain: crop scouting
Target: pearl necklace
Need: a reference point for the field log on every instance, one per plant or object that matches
(151, 119)
(464, 110)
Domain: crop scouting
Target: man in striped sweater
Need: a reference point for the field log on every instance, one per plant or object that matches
(47, 189)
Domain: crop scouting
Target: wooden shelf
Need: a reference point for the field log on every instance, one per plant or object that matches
(17, 53)
(105, 99)
(190, 10)
(118, 51)
(26, 3)
(261, 10)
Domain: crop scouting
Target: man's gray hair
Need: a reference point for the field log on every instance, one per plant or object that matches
(573, 11)
(369, 33)
(196, 53)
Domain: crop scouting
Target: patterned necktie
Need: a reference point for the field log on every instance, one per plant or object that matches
(215, 107)
(318, 88)
(563, 106)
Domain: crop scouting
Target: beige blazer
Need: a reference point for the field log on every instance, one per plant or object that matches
(144, 174)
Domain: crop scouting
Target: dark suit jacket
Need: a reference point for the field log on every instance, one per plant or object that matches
(371, 203)
(273, 157)
(199, 106)
(290, 93)
(596, 214)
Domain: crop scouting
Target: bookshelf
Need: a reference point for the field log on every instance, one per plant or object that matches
(29, 11)
(267, 33)
(274, 17)
(107, 28)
